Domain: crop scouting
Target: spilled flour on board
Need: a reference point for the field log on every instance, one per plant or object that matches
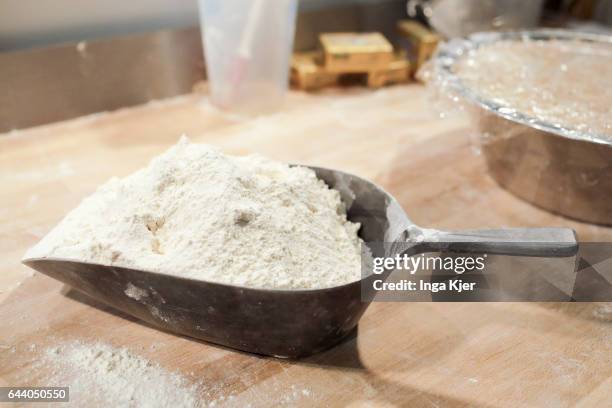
(101, 375)
(603, 311)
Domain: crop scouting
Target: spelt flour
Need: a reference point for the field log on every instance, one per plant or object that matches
(197, 213)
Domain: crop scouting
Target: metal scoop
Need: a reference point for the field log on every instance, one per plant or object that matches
(287, 323)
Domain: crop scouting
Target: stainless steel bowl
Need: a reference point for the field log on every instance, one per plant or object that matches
(559, 169)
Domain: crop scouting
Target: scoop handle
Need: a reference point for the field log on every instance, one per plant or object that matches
(536, 242)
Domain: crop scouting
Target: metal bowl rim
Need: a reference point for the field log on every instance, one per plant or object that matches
(453, 50)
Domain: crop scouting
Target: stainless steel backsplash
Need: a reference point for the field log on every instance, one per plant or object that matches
(50, 84)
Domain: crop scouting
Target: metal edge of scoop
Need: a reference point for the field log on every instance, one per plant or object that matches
(280, 323)
(561, 170)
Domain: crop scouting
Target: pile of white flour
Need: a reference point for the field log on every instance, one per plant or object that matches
(101, 375)
(197, 213)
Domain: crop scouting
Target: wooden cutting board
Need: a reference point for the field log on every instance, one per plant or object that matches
(404, 354)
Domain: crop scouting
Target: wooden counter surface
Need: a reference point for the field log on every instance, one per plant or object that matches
(405, 354)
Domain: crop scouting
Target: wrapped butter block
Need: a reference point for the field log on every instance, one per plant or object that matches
(355, 52)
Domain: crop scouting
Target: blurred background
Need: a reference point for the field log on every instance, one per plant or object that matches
(67, 58)
(25, 24)
(29, 23)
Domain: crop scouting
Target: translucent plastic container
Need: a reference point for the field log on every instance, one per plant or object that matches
(248, 44)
